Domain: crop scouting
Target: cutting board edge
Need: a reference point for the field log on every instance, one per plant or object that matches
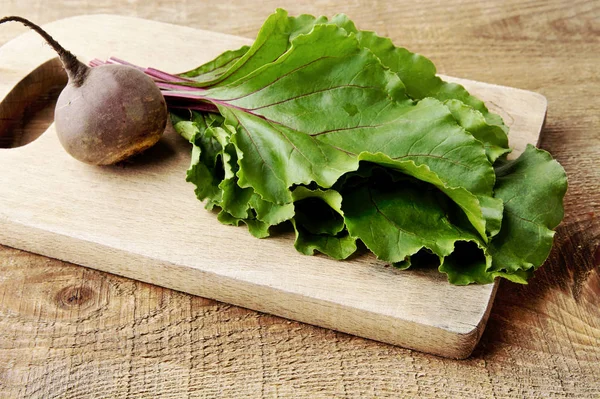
(457, 344)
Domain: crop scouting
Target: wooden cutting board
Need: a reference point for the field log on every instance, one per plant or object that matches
(143, 221)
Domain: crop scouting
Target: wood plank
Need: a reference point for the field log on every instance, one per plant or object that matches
(130, 339)
(129, 220)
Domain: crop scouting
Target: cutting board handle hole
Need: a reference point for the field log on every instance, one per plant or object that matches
(28, 109)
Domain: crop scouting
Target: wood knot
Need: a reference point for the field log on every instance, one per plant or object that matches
(74, 296)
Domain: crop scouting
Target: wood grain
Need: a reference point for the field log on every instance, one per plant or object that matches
(130, 339)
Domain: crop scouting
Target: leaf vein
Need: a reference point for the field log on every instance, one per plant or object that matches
(258, 150)
(250, 76)
(314, 92)
(390, 221)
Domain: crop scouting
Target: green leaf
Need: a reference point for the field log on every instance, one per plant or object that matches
(319, 223)
(271, 213)
(215, 69)
(275, 157)
(214, 165)
(339, 246)
(532, 188)
(493, 137)
(491, 210)
(397, 221)
(203, 168)
(272, 41)
(417, 72)
(467, 201)
(426, 134)
(350, 137)
(419, 76)
(285, 136)
(257, 228)
(467, 264)
(235, 200)
(318, 211)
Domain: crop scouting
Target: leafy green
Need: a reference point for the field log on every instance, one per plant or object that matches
(532, 188)
(348, 138)
(417, 72)
(319, 223)
(395, 221)
(273, 40)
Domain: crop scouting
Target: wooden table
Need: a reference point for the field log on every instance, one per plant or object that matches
(68, 331)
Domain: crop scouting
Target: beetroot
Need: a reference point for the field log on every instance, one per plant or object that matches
(104, 114)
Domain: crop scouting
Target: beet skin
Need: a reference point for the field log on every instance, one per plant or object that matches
(116, 112)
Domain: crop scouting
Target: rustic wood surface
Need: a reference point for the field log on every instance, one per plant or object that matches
(67, 331)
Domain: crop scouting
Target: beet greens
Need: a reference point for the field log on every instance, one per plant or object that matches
(350, 138)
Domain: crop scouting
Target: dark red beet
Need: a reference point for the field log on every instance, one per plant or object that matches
(107, 113)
